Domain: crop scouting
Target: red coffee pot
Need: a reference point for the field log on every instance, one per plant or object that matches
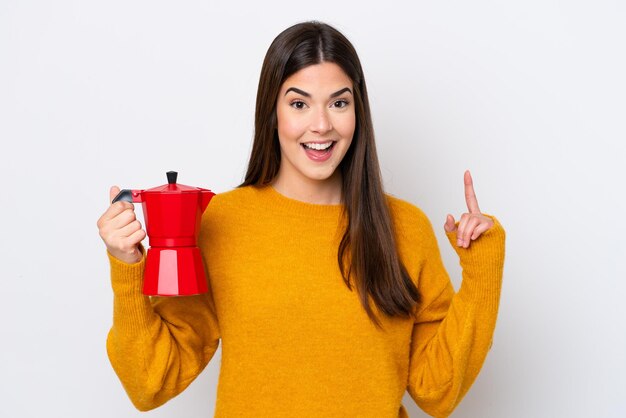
(172, 214)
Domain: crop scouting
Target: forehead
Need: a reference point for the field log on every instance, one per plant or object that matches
(326, 76)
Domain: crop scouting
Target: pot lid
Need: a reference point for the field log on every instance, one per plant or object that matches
(172, 186)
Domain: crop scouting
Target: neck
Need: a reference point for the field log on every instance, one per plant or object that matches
(319, 192)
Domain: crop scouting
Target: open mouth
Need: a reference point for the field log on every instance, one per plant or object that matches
(318, 151)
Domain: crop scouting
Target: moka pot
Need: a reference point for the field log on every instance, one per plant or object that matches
(172, 215)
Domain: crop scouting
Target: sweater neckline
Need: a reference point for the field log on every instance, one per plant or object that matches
(297, 207)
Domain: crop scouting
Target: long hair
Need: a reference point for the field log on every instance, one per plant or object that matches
(367, 251)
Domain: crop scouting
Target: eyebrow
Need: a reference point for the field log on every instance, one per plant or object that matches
(305, 94)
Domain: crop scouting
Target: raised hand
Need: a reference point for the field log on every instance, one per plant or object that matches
(472, 224)
(120, 230)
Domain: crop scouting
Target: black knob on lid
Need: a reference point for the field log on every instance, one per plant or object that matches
(171, 177)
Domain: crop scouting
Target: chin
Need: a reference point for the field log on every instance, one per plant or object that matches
(323, 176)
(318, 176)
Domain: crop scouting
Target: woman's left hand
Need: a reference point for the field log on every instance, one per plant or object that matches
(472, 224)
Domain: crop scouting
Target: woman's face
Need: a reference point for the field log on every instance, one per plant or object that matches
(316, 122)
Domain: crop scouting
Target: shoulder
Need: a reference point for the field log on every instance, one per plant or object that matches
(406, 214)
(410, 222)
(232, 197)
(230, 203)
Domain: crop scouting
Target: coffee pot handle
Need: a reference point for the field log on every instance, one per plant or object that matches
(124, 195)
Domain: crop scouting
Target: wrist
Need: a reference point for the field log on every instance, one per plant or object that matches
(129, 257)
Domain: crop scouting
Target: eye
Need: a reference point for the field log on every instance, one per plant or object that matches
(340, 103)
(297, 104)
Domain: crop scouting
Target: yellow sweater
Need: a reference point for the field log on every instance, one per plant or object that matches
(296, 341)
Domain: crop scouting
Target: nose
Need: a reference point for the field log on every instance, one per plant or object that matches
(321, 122)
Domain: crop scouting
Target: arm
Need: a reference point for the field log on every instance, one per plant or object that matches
(453, 332)
(157, 346)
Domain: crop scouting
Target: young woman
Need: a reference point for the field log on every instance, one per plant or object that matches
(329, 297)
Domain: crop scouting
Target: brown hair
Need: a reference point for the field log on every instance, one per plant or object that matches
(367, 250)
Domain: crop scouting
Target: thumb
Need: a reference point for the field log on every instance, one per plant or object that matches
(114, 191)
(449, 226)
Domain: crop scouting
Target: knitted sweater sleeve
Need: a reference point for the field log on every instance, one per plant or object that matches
(452, 332)
(157, 345)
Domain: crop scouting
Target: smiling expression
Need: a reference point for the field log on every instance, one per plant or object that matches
(316, 123)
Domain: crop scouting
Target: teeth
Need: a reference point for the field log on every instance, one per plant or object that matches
(318, 147)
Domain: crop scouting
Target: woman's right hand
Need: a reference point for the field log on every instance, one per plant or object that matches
(120, 230)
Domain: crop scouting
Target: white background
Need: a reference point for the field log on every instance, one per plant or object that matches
(530, 96)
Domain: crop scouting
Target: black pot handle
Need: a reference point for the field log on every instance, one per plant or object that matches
(125, 195)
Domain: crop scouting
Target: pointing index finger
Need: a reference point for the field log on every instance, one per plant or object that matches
(470, 196)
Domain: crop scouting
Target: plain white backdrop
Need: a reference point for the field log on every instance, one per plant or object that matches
(530, 96)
